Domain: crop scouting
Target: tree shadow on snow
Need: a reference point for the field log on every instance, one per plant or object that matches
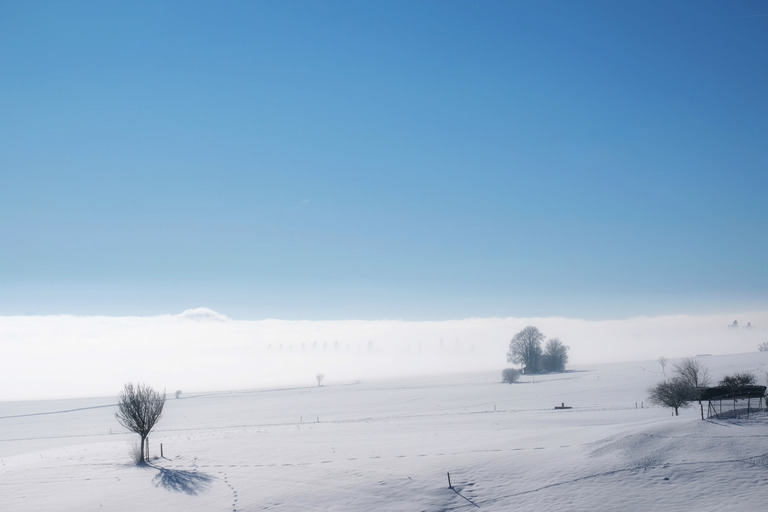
(469, 500)
(179, 480)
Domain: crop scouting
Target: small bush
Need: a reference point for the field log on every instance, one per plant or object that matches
(510, 375)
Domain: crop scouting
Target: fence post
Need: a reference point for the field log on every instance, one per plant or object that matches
(449, 481)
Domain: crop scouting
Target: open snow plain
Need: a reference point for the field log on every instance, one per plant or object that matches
(388, 446)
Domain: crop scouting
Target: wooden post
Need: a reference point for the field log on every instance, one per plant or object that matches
(449, 481)
(700, 405)
(161, 451)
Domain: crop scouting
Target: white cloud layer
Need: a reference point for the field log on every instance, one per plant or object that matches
(201, 350)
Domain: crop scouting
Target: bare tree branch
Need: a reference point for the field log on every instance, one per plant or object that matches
(692, 372)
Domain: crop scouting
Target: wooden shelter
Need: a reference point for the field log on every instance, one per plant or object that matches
(715, 395)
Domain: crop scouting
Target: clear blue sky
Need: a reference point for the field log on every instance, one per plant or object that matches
(414, 159)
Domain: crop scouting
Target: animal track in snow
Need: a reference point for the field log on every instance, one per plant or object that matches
(234, 491)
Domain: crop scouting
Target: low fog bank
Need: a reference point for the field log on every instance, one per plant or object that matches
(201, 350)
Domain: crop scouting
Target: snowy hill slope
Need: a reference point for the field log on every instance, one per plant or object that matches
(387, 445)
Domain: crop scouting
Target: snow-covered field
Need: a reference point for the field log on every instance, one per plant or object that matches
(388, 446)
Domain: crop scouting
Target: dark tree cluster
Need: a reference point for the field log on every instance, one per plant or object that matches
(526, 350)
(735, 325)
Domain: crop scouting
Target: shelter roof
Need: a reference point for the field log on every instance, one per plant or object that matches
(718, 392)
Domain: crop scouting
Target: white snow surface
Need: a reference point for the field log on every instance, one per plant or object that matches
(388, 446)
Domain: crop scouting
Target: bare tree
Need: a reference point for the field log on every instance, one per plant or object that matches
(555, 356)
(663, 363)
(525, 349)
(692, 372)
(674, 393)
(138, 409)
(319, 378)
